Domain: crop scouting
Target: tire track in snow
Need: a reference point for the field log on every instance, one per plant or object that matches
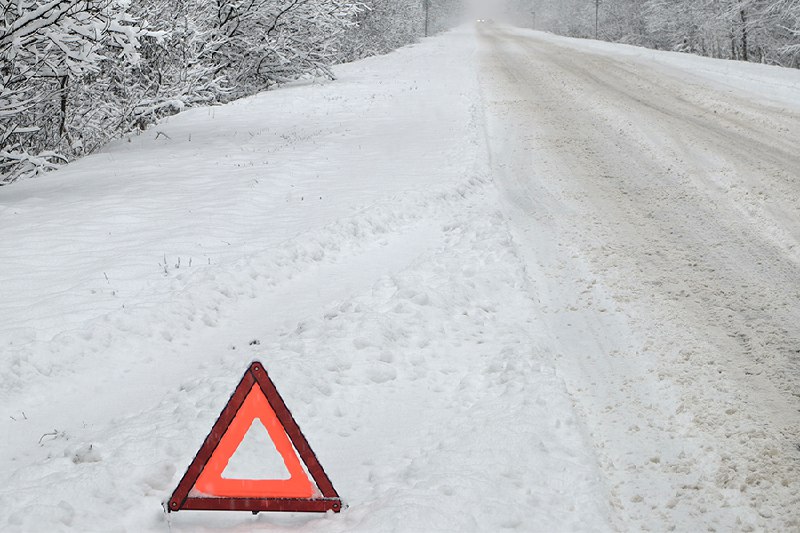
(684, 306)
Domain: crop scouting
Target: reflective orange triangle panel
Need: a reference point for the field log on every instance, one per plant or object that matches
(211, 483)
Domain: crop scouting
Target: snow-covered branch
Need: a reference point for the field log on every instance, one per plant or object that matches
(75, 73)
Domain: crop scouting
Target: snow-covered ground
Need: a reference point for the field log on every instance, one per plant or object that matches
(476, 269)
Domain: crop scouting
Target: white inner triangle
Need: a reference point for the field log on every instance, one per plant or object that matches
(256, 457)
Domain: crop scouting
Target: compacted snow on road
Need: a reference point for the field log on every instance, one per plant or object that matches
(503, 280)
(658, 208)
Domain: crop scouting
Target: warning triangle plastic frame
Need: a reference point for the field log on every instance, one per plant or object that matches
(255, 375)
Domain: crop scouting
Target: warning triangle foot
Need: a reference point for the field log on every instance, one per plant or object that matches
(203, 486)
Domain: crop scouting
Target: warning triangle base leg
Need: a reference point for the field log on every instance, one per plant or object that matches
(256, 505)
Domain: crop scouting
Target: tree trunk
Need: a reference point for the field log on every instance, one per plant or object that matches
(596, 17)
(64, 93)
(427, 4)
(743, 15)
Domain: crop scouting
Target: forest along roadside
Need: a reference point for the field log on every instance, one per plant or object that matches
(659, 217)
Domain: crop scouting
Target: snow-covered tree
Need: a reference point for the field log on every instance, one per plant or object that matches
(74, 73)
(383, 26)
(751, 30)
(44, 47)
(388, 24)
(775, 25)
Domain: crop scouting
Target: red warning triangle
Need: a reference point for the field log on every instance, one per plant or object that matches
(203, 486)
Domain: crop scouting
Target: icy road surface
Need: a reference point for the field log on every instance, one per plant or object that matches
(660, 212)
(503, 280)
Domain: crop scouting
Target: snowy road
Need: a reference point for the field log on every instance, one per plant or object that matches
(503, 280)
(660, 214)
